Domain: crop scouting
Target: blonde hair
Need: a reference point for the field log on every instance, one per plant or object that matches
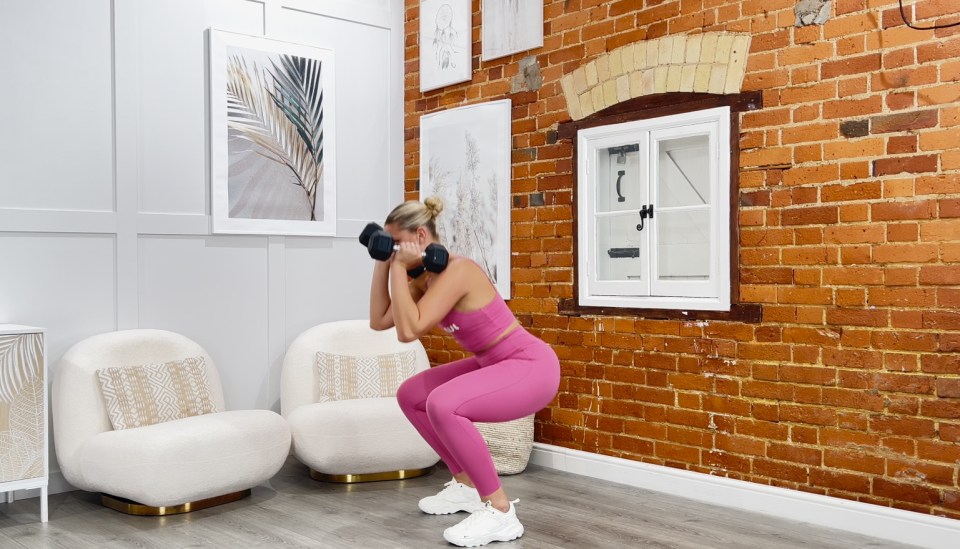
(413, 214)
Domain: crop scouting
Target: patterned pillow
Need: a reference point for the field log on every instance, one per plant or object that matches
(137, 396)
(345, 377)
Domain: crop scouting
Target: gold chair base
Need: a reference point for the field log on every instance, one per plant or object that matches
(370, 477)
(133, 508)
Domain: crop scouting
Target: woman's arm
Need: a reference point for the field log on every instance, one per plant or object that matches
(415, 318)
(381, 316)
(381, 308)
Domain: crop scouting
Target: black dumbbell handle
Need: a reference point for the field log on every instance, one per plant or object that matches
(396, 248)
(424, 254)
(381, 246)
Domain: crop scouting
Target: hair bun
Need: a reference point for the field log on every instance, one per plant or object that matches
(434, 205)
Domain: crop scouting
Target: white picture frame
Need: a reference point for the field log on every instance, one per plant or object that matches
(272, 137)
(510, 26)
(446, 43)
(465, 159)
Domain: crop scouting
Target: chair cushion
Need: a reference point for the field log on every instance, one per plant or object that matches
(360, 436)
(345, 377)
(137, 396)
(188, 459)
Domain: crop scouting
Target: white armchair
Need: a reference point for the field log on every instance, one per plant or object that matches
(163, 468)
(338, 394)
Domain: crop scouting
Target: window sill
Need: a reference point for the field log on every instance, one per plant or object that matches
(750, 313)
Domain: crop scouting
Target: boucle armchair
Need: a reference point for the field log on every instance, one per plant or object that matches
(138, 415)
(338, 394)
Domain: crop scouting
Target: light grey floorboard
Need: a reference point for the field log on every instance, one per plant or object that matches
(291, 511)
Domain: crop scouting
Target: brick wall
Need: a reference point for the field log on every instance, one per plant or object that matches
(849, 240)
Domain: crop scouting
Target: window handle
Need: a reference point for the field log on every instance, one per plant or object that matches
(645, 211)
(620, 197)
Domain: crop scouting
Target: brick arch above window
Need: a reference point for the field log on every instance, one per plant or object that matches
(710, 62)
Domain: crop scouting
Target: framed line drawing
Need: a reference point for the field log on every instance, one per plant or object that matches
(510, 26)
(465, 159)
(445, 43)
(272, 137)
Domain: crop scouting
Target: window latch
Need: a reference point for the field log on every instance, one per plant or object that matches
(645, 211)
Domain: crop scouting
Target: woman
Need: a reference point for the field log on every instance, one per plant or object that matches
(511, 375)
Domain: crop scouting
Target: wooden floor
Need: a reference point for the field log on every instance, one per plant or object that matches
(557, 509)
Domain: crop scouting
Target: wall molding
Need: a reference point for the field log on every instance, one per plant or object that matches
(57, 221)
(851, 516)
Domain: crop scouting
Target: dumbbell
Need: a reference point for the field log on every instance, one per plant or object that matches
(367, 231)
(380, 245)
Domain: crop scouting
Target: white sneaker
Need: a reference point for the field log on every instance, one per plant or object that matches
(486, 525)
(454, 498)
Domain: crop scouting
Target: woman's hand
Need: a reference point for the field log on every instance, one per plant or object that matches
(408, 254)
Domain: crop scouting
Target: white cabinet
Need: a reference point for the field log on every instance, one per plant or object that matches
(23, 412)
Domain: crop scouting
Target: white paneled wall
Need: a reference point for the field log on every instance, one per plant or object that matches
(104, 185)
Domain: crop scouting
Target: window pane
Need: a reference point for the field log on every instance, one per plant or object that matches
(684, 171)
(619, 248)
(618, 178)
(683, 244)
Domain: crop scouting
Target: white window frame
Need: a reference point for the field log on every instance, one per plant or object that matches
(650, 293)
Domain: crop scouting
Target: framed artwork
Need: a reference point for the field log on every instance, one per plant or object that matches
(272, 137)
(445, 43)
(510, 26)
(465, 160)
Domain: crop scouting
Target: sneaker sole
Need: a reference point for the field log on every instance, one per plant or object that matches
(451, 512)
(509, 535)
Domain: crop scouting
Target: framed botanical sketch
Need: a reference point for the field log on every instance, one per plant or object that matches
(445, 43)
(465, 160)
(510, 26)
(272, 137)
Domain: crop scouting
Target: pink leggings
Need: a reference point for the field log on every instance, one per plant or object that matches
(517, 377)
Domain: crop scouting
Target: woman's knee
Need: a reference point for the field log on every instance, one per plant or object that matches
(410, 393)
(440, 406)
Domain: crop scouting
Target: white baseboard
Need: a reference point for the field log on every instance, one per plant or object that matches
(851, 516)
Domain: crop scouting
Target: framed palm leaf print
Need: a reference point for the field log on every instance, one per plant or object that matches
(272, 140)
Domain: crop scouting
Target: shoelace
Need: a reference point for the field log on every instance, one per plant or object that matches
(488, 508)
(450, 485)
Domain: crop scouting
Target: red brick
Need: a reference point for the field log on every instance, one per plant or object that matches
(902, 426)
(903, 122)
(910, 164)
(853, 65)
(940, 275)
(849, 482)
(811, 216)
(898, 101)
(941, 408)
(948, 387)
(902, 491)
(779, 469)
(902, 144)
(853, 460)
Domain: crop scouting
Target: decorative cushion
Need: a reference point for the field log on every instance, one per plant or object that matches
(346, 377)
(137, 396)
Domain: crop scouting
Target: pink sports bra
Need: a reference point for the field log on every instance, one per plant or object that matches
(475, 330)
